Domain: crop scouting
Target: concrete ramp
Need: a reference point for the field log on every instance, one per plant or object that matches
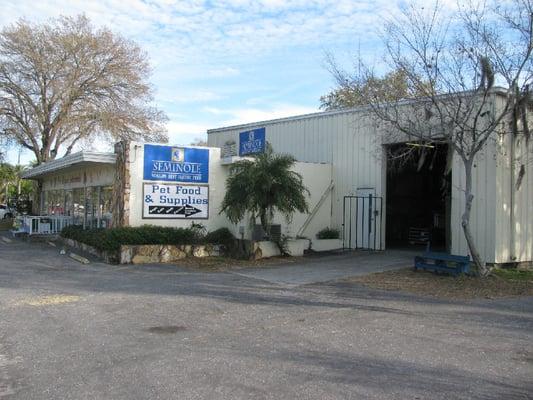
(316, 269)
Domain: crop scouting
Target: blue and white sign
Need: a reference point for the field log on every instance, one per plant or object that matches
(176, 164)
(252, 142)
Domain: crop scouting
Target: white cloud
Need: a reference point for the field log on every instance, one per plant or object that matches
(237, 57)
(237, 116)
(184, 133)
(177, 96)
(223, 29)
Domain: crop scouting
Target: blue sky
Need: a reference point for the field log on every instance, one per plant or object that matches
(218, 63)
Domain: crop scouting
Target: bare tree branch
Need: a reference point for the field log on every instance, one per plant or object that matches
(454, 61)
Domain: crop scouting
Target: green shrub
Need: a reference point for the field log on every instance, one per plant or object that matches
(328, 233)
(221, 236)
(112, 239)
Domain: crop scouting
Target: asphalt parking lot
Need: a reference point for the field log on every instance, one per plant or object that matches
(73, 331)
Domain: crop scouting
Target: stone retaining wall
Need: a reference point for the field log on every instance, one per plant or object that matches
(267, 249)
(110, 258)
(150, 253)
(140, 254)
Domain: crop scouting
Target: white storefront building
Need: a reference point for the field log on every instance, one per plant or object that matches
(79, 186)
(163, 185)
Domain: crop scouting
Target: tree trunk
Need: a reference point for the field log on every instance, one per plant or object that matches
(120, 207)
(465, 221)
(265, 222)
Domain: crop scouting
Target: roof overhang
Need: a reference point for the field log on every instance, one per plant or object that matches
(67, 162)
(252, 125)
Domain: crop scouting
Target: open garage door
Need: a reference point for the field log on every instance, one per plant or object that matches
(418, 203)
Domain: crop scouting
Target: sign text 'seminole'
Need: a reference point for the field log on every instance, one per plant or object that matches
(167, 170)
(176, 164)
(166, 166)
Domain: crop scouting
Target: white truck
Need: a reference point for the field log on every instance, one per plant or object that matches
(6, 212)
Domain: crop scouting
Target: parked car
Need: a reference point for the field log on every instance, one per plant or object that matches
(6, 212)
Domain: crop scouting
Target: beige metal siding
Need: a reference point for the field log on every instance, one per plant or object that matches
(346, 140)
(523, 202)
(483, 218)
(350, 142)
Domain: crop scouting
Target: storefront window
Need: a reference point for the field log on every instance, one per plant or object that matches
(68, 203)
(45, 196)
(78, 206)
(90, 206)
(55, 202)
(106, 206)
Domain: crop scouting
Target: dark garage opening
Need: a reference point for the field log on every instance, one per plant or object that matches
(418, 196)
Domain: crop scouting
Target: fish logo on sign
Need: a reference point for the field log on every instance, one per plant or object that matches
(178, 154)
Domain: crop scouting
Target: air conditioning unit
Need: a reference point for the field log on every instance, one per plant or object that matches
(259, 234)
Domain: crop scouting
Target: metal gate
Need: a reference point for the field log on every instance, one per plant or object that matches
(362, 222)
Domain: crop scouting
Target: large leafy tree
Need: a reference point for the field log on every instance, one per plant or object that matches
(65, 82)
(262, 186)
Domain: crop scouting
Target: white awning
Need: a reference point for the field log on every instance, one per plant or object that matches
(83, 157)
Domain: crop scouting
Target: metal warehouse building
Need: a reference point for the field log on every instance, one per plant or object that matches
(376, 205)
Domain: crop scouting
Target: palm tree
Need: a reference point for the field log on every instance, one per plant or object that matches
(7, 177)
(11, 184)
(262, 186)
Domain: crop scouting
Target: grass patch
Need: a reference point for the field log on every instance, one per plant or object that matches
(6, 224)
(514, 274)
(502, 283)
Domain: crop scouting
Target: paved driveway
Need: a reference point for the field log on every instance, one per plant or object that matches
(69, 331)
(326, 268)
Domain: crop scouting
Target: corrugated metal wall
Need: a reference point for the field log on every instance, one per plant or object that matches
(523, 201)
(345, 140)
(483, 216)
(349, 141)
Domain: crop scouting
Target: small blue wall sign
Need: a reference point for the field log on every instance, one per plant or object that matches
(252, 142)
(176, 164)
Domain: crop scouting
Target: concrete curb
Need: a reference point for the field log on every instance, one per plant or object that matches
(79, 258)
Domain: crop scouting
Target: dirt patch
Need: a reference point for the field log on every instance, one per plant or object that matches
(499, 284)
(6, 224)
(167, 330)
(220, 264)
(48, 300)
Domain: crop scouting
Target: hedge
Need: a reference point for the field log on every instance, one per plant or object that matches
(111, 239)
